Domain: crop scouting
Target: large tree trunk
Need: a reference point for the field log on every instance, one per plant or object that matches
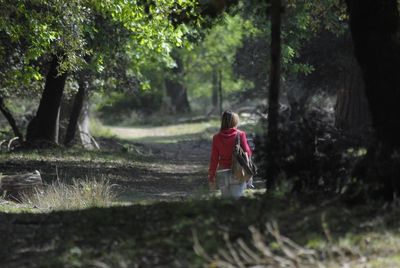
(7, 114)
(273, 99)
(76, 111)
(176, 91)
(43, 126)
(374, 26)
(352, 111)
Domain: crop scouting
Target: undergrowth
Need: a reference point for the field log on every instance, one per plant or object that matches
(80, 194)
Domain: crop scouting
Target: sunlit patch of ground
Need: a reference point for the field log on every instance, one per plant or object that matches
(167, 134)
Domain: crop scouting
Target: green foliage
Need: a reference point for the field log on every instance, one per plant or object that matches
(216, 53)
(119, 106)
(302, 20)
(45, 27)
(89, 32)
(153, 33)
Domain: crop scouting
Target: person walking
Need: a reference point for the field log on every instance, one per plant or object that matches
(220, 168)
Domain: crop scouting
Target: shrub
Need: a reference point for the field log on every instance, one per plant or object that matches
(313, 155)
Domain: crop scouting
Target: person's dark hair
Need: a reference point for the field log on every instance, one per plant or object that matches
(229, 119)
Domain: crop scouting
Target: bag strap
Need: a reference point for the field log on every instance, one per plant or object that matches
(236, 142)
(238, 138)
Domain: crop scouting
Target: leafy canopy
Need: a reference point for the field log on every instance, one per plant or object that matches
(31, 31)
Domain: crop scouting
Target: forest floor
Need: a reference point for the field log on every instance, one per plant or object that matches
(163, 202)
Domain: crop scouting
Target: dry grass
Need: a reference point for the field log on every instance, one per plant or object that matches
(272, 249)
(80, 194)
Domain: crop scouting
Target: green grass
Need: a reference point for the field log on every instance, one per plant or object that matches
(72, 156)
(7, 206)
(97, 129)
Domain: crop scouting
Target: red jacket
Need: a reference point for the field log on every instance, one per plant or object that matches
(222, 148)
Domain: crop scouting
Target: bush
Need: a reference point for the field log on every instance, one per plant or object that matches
(120, 106)
(313, 155)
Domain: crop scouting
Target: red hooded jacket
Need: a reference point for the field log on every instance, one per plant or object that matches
(222, 149)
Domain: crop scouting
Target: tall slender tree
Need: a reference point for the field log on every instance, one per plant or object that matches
(274, 88)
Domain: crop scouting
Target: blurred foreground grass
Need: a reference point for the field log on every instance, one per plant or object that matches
(162, 234)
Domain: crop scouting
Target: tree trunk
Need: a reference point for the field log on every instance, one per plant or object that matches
(176, 90)
(43, 126)
(7, 114)
(352, 112)
(214, 97)
(15, 186)
(374, 25)
(57, 128)
(273, 99)
(220, 91)
(84, 126)
(76, 111)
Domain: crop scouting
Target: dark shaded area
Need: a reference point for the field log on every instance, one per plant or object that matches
(132, 234)
(375, 30)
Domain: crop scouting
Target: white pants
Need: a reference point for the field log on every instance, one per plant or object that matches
(228, 186)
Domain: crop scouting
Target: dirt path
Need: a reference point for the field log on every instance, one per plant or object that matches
(179, 156)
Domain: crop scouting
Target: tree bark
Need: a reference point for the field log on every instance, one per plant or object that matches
(16, 186)
(273, 99)
(7, 114)
(43, 126)
(352, 111)
(214, 97)
(176, 91)
(220, 91)
(84, 126)
(374, 26)
(76, 111)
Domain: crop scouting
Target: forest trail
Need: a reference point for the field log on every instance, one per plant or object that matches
(179, 156)
(176, 161)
